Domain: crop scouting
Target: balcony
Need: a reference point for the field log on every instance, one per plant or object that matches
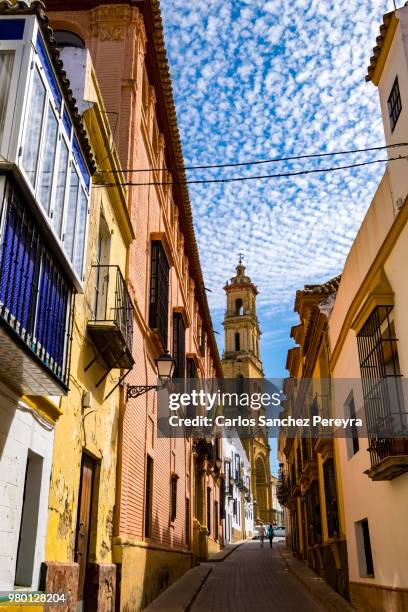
(389, 458)
(35, 303)
(309, 463)
(283, 487)
(111, 326)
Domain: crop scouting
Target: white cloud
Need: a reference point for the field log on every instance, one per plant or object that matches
(239, 96)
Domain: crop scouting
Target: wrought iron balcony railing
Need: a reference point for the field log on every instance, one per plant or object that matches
(111, 324)
(35, 303)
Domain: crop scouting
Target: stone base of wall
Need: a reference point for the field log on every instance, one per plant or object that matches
(100, 587)
(213, 546)
(99, 591)
(378, 598)
(236, 535)
(329, 560)
(60, 578)
(145, 571)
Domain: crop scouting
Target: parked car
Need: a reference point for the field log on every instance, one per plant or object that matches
(279, 532)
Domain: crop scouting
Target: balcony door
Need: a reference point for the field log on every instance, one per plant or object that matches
(101, 272)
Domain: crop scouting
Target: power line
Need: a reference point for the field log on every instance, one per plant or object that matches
(250, 178)
(259, 162)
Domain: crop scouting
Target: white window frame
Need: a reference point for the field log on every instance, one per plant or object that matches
(26, 59)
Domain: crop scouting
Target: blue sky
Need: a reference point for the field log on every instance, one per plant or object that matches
(255, 80)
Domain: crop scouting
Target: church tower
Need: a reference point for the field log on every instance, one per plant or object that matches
(242, 334)
(241, 359)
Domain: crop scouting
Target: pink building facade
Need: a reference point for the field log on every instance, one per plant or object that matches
(169, 506)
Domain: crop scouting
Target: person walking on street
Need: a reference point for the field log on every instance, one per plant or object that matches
(262, 533)
(270, 535)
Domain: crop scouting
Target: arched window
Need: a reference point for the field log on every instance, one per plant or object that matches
(239, 307)
(237, 341)
(65, 38)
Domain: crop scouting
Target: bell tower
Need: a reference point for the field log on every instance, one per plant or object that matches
(241, 359)
(241, 328)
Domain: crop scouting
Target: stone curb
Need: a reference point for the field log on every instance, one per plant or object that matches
(225, 552)
(327, 597)
(179, 596)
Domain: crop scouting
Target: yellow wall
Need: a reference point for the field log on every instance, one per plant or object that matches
(92, 428)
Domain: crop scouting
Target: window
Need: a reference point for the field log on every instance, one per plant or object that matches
(209, 510)
(191, 369)
(148, 496)
(237, 341)
(187, 521)
(59, 200)
(353, 444)
(159, 292)
(52, 161)
(34, 290)
(381, 381)
(331, 498)
(173, 492)
(48, 159)
(394, 104)
(179, 351)
(29, 521)
(65, 38)
(239, 308)
(313, 514)
(6, 69)
(222, 498)
(202, 340)
(365, 557)
(31, 144)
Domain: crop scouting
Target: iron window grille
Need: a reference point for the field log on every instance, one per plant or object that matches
(159, 292)
(331, 498)
(148, 496)
(313, 514)
(382, 386)
(35, 292)
(202, 340)
(209, 510)
(187, 521)
(179, 350)
(192, 376)
(173, 491)
(222, 498)
(298, 461)
(394, 104)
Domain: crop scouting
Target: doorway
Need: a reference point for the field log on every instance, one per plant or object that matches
(83, 523)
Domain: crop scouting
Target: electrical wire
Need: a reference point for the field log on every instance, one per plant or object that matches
(250, 178)
(258, 162)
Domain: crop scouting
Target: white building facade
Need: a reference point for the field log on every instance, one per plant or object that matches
(238, 512)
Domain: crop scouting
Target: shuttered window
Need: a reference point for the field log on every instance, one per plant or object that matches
(159, 292)
(179, 352)
(148, 496)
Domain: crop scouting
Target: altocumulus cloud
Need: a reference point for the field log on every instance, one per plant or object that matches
(255, 80)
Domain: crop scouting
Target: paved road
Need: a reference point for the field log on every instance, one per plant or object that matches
(253, 579)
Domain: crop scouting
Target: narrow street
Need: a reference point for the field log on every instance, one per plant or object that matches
(253, 579)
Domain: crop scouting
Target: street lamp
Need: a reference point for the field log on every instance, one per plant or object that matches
(165, 364)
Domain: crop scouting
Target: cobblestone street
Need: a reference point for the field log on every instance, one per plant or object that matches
(253, 579)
